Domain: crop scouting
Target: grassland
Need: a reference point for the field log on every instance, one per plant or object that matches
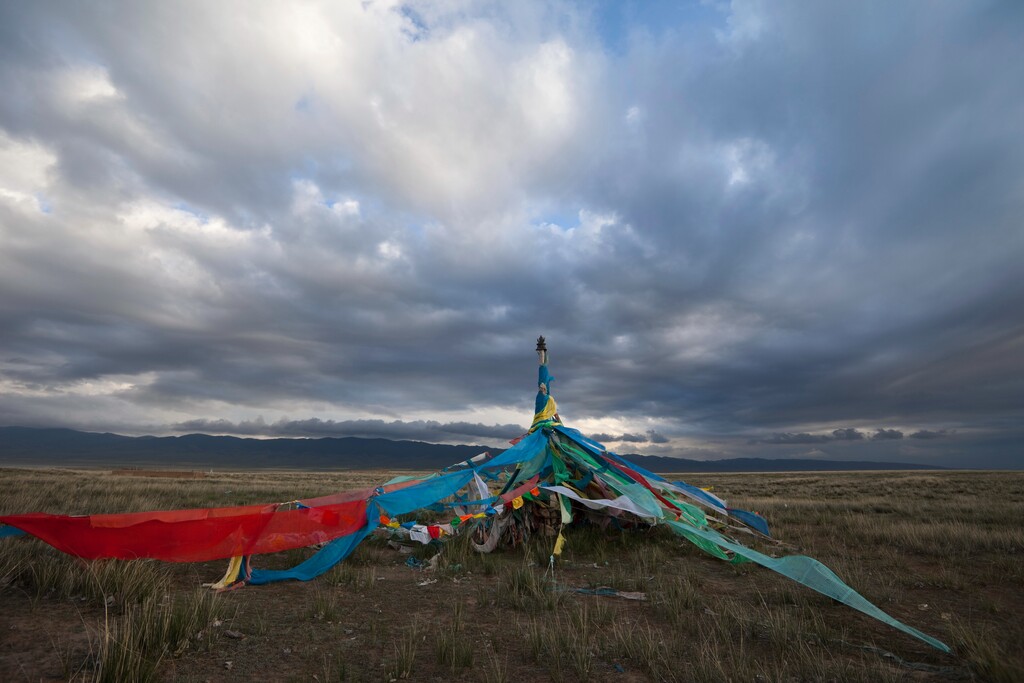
(941, 551)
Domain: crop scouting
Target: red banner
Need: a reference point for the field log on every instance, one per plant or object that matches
(195, 535)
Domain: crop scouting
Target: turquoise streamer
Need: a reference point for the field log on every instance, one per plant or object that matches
(324, 559)
(813, 574)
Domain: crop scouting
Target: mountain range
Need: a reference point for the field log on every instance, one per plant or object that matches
(69, 447)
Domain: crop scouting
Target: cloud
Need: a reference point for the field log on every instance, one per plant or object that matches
(632, 438)
(727, 221)
(843, 434)
(650, 437)
(930, 434)
(789, 438)
(655, 437)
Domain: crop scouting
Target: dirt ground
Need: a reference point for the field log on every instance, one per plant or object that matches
(376, 618)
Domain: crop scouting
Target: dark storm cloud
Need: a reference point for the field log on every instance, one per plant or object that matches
(651, 437)
(656, 438)
(847, 434)
(929, 434)
(773, 219)
(801, 438)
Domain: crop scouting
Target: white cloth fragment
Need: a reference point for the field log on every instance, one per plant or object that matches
(620, 503)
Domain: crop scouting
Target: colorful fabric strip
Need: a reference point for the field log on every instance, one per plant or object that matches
(193, 535)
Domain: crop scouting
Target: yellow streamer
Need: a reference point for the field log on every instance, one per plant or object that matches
(230, 576)
(548, 413)
(558, 544)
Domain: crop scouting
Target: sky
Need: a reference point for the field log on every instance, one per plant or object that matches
(747, 229)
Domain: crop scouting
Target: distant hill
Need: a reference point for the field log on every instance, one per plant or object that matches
(68, 447)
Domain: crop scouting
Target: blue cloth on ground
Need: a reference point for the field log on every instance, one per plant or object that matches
(325, 558)
(328, 556)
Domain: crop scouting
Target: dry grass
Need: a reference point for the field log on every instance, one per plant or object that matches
(941, 551)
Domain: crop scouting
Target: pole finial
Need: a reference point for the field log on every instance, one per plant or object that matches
(542, 350)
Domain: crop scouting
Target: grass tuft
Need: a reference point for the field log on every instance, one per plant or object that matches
(131, 648)
(984, 656)
(454, 648)
(524, 588)
(405, 649)
(324, 606)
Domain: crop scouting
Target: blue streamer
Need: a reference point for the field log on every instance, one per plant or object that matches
(423, 494)
(324, 559)
(699, 493)
(584, 481)
(525, 450)
(751, 519)
(576, 435)
(544, 379)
